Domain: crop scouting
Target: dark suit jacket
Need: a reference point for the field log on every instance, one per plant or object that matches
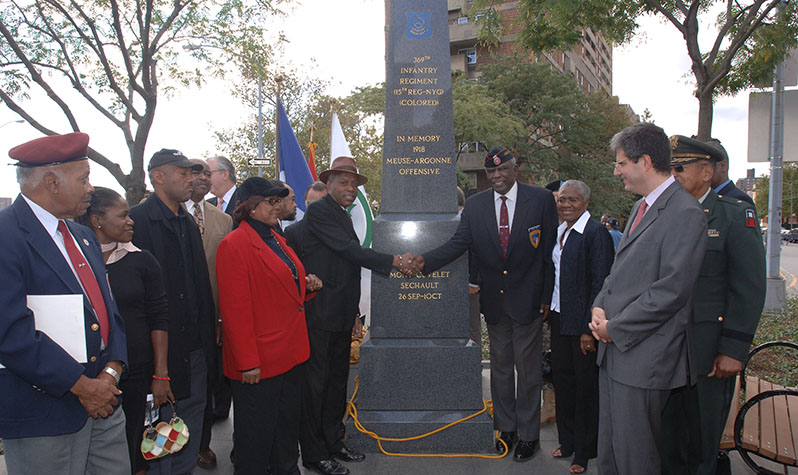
(333, 252)
(231, 206)
(648, 296)
(153, 233)
(584, 264)
(294, 237)
(731, 191)
(264, 316)
(34, 385)
(518, 285)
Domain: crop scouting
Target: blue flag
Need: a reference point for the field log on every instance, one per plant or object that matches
(293, 168)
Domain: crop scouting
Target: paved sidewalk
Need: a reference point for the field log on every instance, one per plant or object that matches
(380, 464)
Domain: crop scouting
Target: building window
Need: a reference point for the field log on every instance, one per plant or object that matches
(462, 20)
(471, 58)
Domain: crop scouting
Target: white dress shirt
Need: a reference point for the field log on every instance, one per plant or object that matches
(226, 198)
(190, 205)
(512, 199)
(562, 236)
(651, 198)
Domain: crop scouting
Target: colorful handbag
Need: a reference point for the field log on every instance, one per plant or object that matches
(165, 438)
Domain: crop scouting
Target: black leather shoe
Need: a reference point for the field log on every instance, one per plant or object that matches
(327, 467)
(509, 438)
(348, 455)
(526, 450)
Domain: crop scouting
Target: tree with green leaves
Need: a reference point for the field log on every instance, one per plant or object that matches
(308, 108)
(789, 198)
(752, 36)
(117, 59)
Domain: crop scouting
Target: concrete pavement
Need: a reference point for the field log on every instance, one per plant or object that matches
(542, 464)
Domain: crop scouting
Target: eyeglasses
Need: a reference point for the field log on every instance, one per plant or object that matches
(621, 164)
(273, 201)
(680, 168)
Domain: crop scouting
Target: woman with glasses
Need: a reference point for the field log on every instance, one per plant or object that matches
(582, 256)
(262, 292)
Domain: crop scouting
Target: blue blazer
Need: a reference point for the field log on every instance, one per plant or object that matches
(585, 263)
(518, 285)
(34, 385)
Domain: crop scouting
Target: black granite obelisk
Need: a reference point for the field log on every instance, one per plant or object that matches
(419, 370)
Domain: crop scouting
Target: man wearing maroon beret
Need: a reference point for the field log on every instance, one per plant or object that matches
(62, 340)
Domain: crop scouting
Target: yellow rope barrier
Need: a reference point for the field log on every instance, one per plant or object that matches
(351, 411)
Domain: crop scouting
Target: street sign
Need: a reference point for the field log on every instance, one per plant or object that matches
(266, 162)
(759, 126)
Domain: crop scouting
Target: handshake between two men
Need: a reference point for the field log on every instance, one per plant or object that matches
(409, 264)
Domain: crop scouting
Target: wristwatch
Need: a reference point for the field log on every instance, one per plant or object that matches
(112, 372)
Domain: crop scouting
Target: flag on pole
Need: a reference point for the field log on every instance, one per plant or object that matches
(360, 211)
(293, 168)
(312, 159)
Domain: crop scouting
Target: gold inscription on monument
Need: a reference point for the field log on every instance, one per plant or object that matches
(421, 286)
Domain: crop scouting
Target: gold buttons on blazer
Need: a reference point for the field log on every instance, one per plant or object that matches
(95, 327)
(505, 272)
(501, 291)
(720, 319)
(93, 359)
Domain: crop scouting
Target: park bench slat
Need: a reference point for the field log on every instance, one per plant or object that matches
(767, 431)
(784, 442)
(792, 405)
(751, 424)
(727, 439)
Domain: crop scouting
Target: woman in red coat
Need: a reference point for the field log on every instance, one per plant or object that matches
(262, 291)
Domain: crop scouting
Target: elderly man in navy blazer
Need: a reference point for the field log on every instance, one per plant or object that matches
(57, 409)
(510, 231)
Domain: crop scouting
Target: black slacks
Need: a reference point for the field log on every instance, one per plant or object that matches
(266, 423)
(324, 394)
(575, 379)
(135, 387)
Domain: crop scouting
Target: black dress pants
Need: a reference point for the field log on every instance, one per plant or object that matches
(324, 394)
(575, 379)
(135, 387)
(266, 424)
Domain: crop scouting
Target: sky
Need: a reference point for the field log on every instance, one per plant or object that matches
(346, 40)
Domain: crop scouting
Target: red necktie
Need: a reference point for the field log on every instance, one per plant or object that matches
(640, 212)
(504, 227)
(87, 279)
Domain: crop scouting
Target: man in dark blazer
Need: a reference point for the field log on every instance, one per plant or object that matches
(510, 231)
(641, 314)
(293, 233)
(164, 227)
(727, 305)
(223, 185)
(57, 409)
(333, 252)
(721, 183)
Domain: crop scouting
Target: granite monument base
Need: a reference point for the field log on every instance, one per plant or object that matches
(418, 369)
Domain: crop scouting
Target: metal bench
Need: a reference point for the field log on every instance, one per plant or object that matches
(765, 425)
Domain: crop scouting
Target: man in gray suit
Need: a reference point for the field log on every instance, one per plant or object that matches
(642, 311)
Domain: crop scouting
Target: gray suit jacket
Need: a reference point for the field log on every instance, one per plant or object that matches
(648, 295)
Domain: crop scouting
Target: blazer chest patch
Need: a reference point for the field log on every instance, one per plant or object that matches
(534, 236)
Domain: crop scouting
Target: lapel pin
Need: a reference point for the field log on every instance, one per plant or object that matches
(85, 242)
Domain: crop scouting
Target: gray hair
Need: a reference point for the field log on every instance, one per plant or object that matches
(580, 186)
(223, 163)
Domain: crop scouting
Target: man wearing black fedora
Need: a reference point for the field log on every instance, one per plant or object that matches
(333, 252)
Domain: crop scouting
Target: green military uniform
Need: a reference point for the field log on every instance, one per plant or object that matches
(727, 305)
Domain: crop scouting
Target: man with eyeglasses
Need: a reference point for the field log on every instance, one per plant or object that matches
(727, 305)
(642, 312)
(510, 231)
(223, 184)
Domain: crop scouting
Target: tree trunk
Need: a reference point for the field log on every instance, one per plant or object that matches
(705, 111)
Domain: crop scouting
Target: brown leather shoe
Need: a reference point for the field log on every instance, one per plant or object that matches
(206, 458)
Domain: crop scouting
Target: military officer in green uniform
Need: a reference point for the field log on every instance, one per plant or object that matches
(727, 305)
